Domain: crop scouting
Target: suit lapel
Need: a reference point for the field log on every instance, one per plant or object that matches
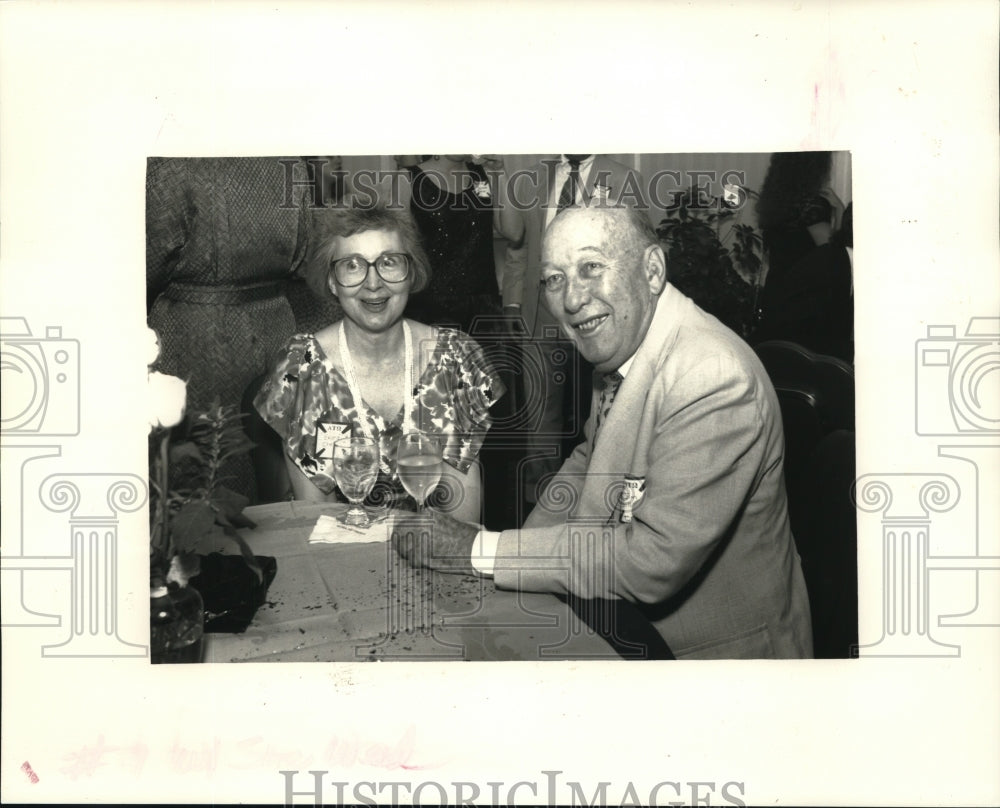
(622, 445)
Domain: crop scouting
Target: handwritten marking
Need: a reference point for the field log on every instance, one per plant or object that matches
(213, 754)
(26, 768)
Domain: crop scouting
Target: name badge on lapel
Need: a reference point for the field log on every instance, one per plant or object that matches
(632, 494)
(328, 434)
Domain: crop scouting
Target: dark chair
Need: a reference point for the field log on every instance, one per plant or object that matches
(816, 395)
(267, 456)
(829, 547)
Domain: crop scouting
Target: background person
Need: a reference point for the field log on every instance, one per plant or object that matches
(222, 247)
(453, 204)
(797, 210)
(812, 304)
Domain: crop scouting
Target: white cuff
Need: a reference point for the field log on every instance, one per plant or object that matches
(484, 551)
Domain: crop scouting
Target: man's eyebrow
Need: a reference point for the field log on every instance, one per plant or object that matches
(587, 248)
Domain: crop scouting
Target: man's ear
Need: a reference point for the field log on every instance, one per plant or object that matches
(656, 268)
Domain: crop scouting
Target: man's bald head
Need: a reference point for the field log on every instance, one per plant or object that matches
(602, 272)
(627, 225)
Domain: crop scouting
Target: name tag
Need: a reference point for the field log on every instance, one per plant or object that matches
(328, 434)
(632, 494)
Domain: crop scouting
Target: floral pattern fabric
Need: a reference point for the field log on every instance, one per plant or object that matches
(305, 392)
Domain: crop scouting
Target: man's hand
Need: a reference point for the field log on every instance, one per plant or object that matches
(436, 541)
(491, 162)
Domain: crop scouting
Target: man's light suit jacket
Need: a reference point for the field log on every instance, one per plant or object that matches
(709, 553)
(532, 190)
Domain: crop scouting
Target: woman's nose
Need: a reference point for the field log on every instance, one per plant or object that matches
(372, 280)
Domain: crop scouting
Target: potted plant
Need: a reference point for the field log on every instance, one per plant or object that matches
(712, 257)
(189, 502)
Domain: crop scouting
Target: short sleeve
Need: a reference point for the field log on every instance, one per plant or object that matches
(464, 389)
(294, 397)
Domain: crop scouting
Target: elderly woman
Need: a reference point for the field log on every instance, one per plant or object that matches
(376, 373)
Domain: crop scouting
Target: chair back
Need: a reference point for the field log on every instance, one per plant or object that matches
(816, 395)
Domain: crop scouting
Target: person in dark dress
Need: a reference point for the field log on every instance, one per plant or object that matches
(813, 303)
(797, 210)
(453, 204)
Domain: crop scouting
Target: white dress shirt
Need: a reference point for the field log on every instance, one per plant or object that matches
(484, 548)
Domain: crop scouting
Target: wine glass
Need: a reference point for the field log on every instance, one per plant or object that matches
(418, 461)
(355, 467)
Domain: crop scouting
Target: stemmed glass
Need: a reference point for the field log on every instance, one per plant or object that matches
(355, 467)
(418, 461)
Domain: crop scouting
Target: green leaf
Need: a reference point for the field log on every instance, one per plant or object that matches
(186, 450)
(189, 524)
(228, 502)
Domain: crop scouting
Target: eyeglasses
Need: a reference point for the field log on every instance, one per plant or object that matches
(351, 270)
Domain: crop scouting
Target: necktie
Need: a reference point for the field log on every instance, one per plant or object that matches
(612, 381)
(568, 193)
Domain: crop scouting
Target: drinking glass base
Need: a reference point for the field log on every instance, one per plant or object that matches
(355, 516)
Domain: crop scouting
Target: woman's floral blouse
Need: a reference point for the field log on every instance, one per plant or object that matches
(305, 394)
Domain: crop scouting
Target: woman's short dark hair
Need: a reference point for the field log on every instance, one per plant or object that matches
(349, 220)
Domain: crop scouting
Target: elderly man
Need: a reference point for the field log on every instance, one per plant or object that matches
(676, 500)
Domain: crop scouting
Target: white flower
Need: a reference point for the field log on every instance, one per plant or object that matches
(177, 572)
(166, 398)
(152, 346)
(482, 188)
(601, 191)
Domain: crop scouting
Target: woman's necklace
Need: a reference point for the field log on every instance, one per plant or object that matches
(352, 383)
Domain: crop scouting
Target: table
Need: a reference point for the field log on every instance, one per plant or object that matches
(361, 602)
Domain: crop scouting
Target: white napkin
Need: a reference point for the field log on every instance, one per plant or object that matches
(329, 531)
